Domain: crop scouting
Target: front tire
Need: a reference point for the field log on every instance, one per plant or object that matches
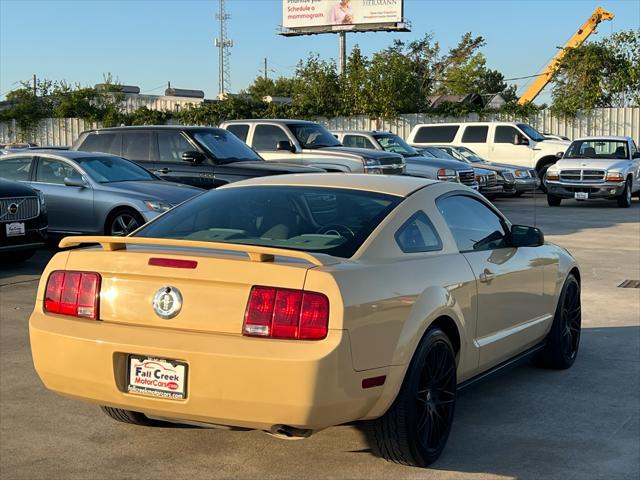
(553, 201)
(121, 223)
(415, 429)
(624, 200)
(563, 340)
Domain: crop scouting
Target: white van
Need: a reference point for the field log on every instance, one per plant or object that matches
(505, 142)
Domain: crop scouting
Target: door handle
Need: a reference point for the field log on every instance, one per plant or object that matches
(163, 170)
(486, 276)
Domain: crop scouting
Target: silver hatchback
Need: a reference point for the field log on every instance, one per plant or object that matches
(95, 193)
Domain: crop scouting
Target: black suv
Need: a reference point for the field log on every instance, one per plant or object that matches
(204, 157)
(23, 221)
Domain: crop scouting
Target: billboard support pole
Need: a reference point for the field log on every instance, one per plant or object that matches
(343, 52)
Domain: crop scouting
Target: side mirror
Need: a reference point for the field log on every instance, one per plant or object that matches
(523, 236)
(74, 182)
(520, 140)
(285, 145)
(192, 156)
(559, 155)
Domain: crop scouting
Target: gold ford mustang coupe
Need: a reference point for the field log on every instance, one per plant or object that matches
(297, 302)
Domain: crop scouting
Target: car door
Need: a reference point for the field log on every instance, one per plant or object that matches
(18, 169)
(476, 138)
(504, 148)
(70, 209)
(170, 166)
(511, 307)
(137, 146)
(265, 141)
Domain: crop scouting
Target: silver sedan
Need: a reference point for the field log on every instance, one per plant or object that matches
(94, 193)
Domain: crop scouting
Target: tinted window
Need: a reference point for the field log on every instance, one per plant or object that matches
(436, 134)
(136, 145)
(312, 135)
(240, 131)
(505, 134)
(16, 168)
(225, 147)
(473, 225)
(107, 169)
(333, 221)
(395, 144)
(418, 235)
(476, 134)
(171, 146)
(55, 171)
(102, 142)
(266, 137)
(357, 141)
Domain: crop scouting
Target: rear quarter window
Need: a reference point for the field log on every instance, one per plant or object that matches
(102, 142)
(436, 134)
(475, 134)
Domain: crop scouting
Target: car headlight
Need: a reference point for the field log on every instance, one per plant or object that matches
(447, 175)
(521, 173)
(43, 205)
(615, 177)
(552, 174)
(157, 205)
(371, 162)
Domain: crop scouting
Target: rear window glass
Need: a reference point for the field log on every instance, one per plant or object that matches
(102, 142)
(476, 134)
(436, 134)
(323, 220)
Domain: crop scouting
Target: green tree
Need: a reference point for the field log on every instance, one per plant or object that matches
(599, 74)
(316, 89)
(354, 95)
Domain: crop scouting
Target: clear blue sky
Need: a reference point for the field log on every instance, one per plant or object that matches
(147, 43)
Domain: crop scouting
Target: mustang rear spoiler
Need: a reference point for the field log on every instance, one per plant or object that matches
(256, 253)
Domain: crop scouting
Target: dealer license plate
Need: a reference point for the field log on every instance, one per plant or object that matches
(581, 195)
(15, 229)
(157, 377)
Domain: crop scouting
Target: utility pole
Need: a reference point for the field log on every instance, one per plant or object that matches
(35, 91)
(224, 44)
(342, 55)
(266, 75)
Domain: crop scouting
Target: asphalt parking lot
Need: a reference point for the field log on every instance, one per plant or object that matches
(526, 423)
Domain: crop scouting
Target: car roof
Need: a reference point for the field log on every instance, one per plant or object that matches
(369, 132)
(398, 185)
(270, 120)
(154, 127)
(604, 137)
(68, 154)
(447, 124)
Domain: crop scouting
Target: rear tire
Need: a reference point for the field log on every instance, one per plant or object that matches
(130, 417)
(553, 201)
(563, 340)
(415, 429)
(121, 223)
(624, 200)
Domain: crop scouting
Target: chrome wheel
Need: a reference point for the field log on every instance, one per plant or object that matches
(123, 224)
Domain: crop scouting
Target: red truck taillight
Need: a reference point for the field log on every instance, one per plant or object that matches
(73, 293)
(285, 313)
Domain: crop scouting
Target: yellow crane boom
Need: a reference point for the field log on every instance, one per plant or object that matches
(578, 38)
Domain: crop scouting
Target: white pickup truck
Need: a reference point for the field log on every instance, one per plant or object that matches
(503, 142)
(596, 167)
(309, 143)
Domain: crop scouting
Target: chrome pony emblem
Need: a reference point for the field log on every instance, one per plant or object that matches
(167, 302)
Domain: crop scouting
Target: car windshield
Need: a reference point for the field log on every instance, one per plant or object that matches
(531, 132)
(469, 154)
(455, 154)
(436, 152)
(314, 219)
(598, 149)
(110, 169)
(312, 135)
(395, 144)
(225, 147)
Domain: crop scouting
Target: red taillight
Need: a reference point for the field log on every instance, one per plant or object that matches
(284, 313)
(172, 263)
(73, 293)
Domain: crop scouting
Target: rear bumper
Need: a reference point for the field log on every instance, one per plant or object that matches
(602, 190)
(232, 380)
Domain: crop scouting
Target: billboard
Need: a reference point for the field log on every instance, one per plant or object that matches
(337, 15)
